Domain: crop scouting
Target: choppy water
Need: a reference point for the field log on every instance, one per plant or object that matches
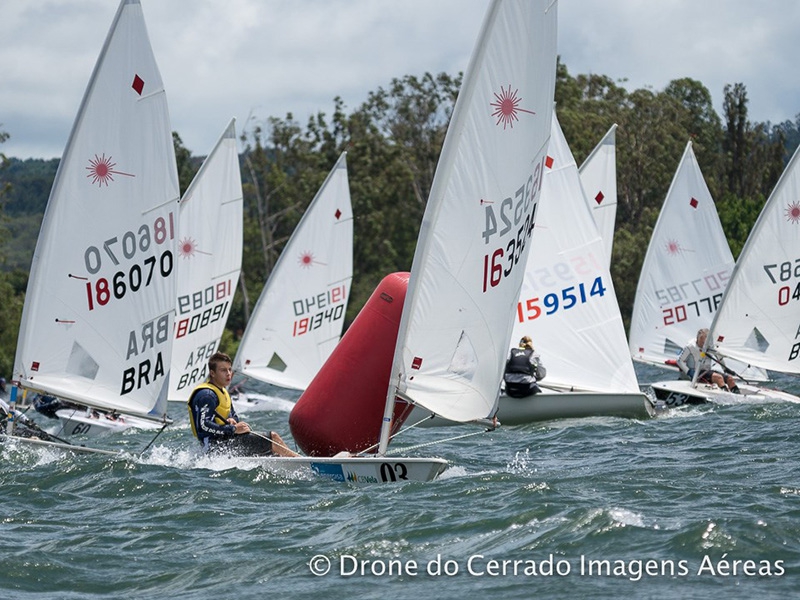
(701, 503)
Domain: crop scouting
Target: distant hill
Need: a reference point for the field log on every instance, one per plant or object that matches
(30, 182)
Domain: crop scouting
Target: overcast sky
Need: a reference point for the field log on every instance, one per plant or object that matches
(235, 58)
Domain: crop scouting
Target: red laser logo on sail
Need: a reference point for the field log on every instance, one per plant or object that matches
(101, 170)
(187, 248)
(306, 260)
(793, 212)
(673, 247)
(506, 107)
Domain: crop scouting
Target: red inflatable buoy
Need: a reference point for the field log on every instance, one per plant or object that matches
(342, 408)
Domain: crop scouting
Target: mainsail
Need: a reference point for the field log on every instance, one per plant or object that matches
(685, 270)
(567, 303)
(298, 319)
(98, 316)
(476, 232)
(758, 320)
(208, 263)
(599, 178)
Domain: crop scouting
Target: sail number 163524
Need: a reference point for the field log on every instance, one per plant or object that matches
(515, 216)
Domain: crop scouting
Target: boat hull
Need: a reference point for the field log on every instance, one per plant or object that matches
(356, 469)
(681, 392)
(551, 404)
(81, 422)
(57, 445)
(349, 469)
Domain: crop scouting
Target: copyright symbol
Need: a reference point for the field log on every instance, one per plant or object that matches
(319, 565)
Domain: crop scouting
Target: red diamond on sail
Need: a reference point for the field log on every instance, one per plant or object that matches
(694, 202)
(720, 338)
(599, 198)
(138, 84)
(35, 366)
(416, 363)
(641, 349)
(337, 214)
(548, 162)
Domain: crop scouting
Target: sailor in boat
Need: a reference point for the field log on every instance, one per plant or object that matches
(48, 405)
(22, 425)
(215, 422)
(523, 369)
(693, 358)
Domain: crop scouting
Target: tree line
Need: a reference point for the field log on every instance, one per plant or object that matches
(393, 140)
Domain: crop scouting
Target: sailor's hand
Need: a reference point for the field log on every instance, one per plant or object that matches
(241, 427)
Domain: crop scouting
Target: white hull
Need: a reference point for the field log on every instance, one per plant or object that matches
(367, 469)
(553, 404)
(93, 424)
(59, 445)
(681, 392)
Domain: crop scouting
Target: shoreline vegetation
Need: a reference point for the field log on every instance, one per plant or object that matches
(393, 140)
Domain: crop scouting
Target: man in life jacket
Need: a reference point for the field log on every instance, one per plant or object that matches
(523, 369)
(215, 422)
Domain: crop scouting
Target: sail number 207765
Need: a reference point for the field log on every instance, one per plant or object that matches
(517, 216)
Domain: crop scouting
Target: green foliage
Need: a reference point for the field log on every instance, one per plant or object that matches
(12, 291)
(12, 283)
(183, 159)
(393, 140)
(738, 215)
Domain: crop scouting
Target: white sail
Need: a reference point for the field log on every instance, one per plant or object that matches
(298, 319)
(685, 271)
(758, 321)
(599, 178)
(99, 309)
(567, 303)
(208, 263)
(475, 234)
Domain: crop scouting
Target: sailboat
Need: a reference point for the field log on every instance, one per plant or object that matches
(568, 306)
(599, 178)
(299, 316)
(468, 266)
(99, 309)
(685, 270)
(208, 263)
(758, 317)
